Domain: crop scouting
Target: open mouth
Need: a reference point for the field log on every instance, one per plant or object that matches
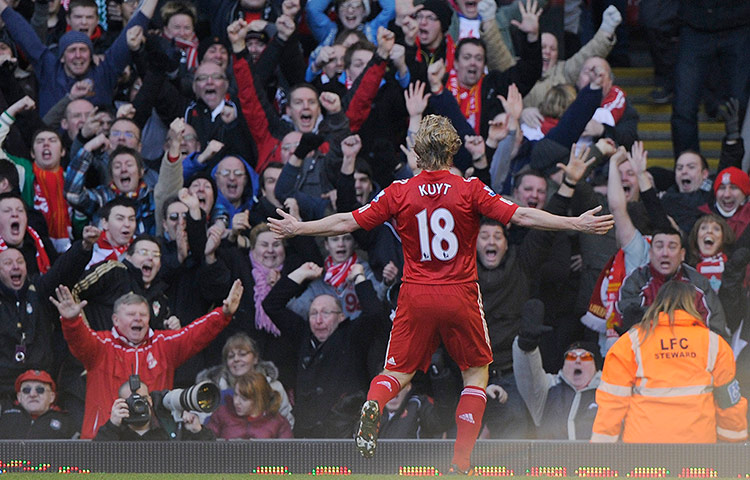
(627, 188)
(16, 278)
(147, 269)
(46, 154)
(126, 182)
(350, 18)
(686, 183)
(533, 203)
(490, 254)
(577, 371)
(709, 241)
(15, 228)
(470, 5)
(137, 328)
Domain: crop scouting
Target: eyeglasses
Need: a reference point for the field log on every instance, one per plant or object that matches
(426, 16)
(38, 389)
(352, 6)
(583, 356)
(213, 76)
(148, 253)
(326, 313)
(225, 172)
(175, 216)
(118, 133)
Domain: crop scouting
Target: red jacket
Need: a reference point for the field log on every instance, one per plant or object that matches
(110, 359)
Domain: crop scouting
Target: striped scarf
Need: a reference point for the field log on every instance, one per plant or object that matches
(336, 273)
(42, 260)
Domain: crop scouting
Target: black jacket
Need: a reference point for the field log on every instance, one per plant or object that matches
(28, 319)
(332, 377)
(107, 281)
(16, 423)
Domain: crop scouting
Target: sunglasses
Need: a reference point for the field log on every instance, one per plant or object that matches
(584, 356)
(174, 216)
(39, 390)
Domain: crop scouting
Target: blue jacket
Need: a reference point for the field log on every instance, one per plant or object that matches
(54, 82)
(249, 196)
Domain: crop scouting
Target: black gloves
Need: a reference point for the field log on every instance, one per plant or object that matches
(308, 143)
(730, 113)
(532, 325)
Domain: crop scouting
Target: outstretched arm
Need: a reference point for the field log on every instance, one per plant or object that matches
(586, 222)
(289, 226)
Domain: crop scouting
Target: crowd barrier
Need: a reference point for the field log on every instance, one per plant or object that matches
(406, 457)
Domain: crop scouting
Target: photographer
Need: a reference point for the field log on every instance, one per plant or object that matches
(143, 425)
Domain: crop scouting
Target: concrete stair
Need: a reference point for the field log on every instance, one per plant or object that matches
(654, 127)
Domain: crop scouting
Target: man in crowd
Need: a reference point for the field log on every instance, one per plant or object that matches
(131, 347)
(35, 416)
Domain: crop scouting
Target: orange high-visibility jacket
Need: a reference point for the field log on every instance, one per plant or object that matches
(676, 386)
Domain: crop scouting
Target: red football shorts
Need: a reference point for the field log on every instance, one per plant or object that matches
(427, 314)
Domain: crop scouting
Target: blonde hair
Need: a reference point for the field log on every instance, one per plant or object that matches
(673, 295)
(557, 100)
(255, 387)
(435, 143)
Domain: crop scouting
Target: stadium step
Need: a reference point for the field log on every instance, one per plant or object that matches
(654, 125)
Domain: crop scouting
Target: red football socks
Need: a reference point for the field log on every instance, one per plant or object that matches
(382, 389)
(469, 415)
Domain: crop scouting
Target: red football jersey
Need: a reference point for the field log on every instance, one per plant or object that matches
(437, 216)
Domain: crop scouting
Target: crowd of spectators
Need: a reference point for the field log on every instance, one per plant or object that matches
(144, 144)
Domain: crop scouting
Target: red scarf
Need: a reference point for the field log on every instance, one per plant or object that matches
(712, 268)
(469, 99)
(49, 199)
(42, 260)
(109, 251)
(650, 290)
(94, 36)
(548, 124)
(450, 52)
(336, 273)
(190, 48)
(607, 289)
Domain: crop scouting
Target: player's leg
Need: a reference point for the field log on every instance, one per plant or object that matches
(382, 388)
(467, 341)
(410, 349)
(469, 415)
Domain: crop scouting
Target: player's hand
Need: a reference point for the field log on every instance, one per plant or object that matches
(284, 228)
(589, 222)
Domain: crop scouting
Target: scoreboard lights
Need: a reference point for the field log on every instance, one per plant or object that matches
(14, 466)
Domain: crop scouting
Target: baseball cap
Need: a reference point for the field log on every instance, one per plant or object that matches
(35, 375)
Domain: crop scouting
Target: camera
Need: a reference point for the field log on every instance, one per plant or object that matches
(138, 407)
(202, 397)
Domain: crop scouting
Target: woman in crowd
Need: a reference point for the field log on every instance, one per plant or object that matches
(670, 379)
(240, 357)
(253, 411)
